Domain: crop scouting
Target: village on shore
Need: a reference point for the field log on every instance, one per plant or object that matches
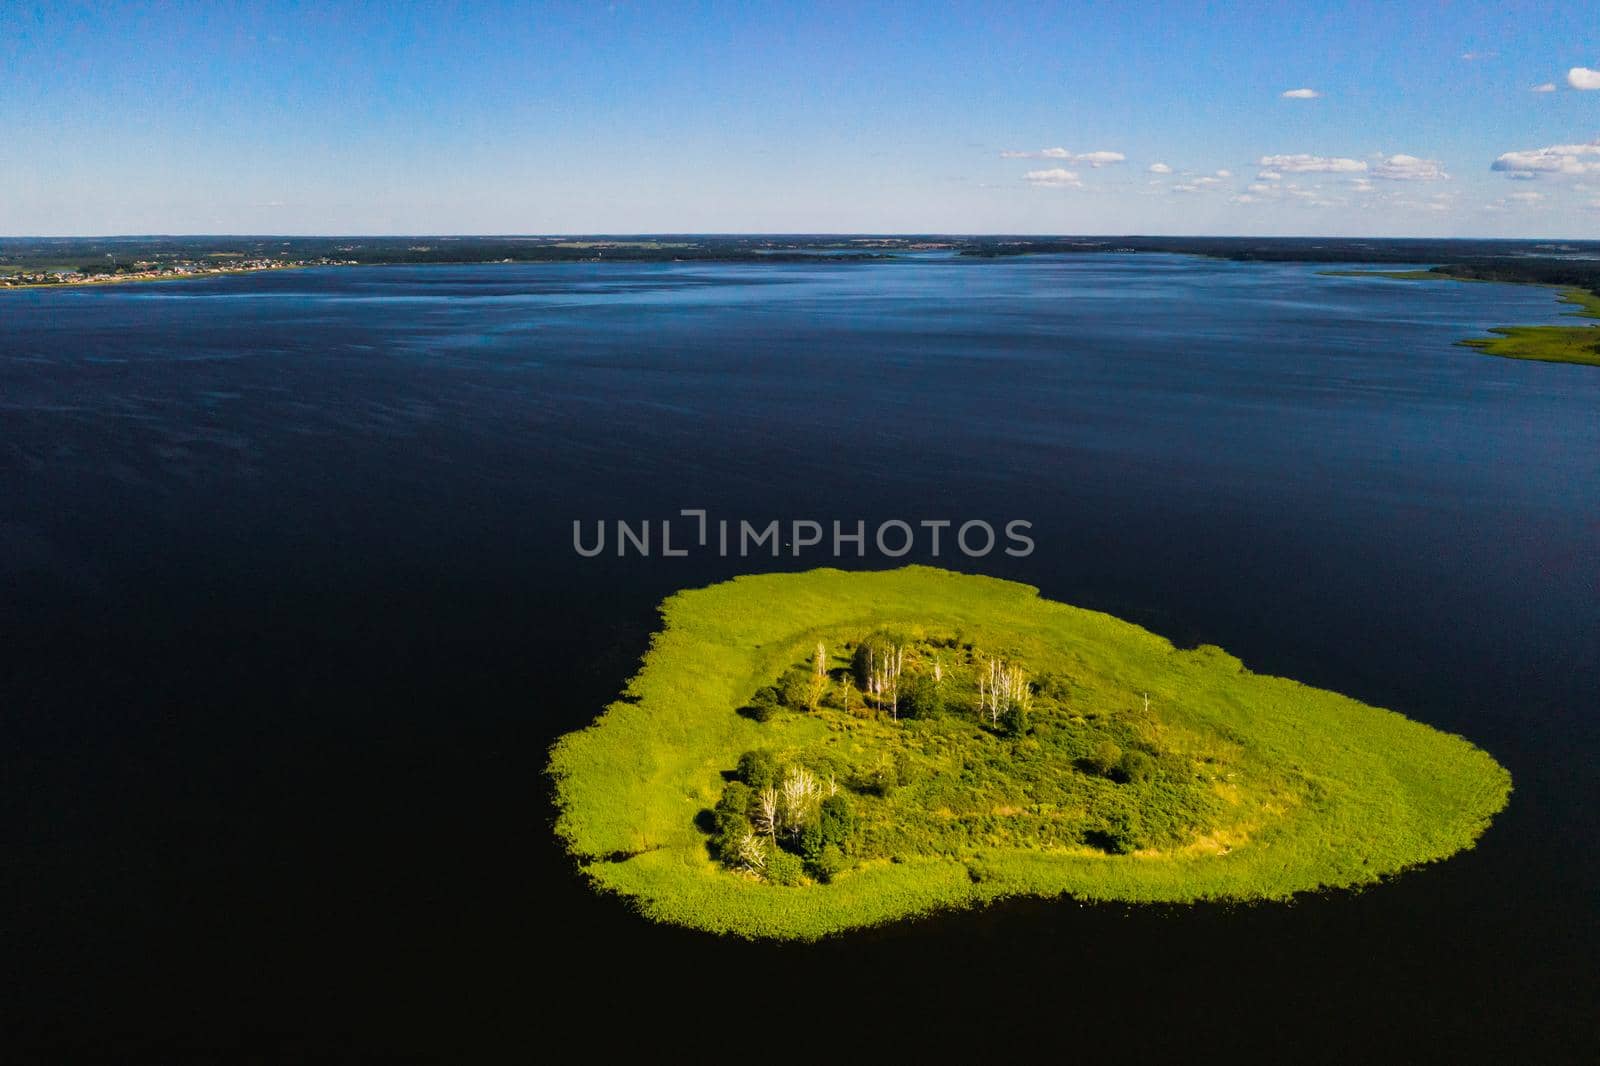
(151, 271)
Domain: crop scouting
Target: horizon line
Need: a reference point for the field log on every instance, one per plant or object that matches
(858, 234)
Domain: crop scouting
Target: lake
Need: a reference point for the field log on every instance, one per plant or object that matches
(292, 613)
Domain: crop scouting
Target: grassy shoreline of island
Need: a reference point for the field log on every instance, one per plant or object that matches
(1577, 345)
(806, 753)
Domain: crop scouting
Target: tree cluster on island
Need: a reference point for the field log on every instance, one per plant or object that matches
(784, 817)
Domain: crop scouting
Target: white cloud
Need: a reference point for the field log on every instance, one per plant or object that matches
(1514, 200)
(1289, 192)
(1300, 94)
(1201, 182)
(1055, 177)
(1410, 168)
(1547, 87)
(1556, 159)
(1093, 159)
(1160, 168)
(1311, 197)
(1522, 175)
(1437, 202)
(1311, 164)
(1100, 159)
(1583, 78)
(1473, 57)
(1398, 167)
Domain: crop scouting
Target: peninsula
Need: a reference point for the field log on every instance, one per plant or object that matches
(807, 753)
(1545, 344)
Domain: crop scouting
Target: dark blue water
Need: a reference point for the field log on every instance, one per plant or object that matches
(291, 614)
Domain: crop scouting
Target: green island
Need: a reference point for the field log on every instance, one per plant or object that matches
(806, 753)
(1546, 344)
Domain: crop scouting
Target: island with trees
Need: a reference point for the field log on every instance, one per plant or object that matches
(805, 753)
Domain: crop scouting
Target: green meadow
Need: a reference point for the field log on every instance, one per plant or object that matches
(802, 754)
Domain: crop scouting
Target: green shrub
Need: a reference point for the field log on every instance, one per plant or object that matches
(837, 821)
(829, 864)
(921, 697)
(1135, 767)
(758, 769)
(880, 779)
(734, 805)
(810, 841)
(1104, 757)
(1052, 687)
(784, 868)
(764, 704)
(860, 661)
(794, 689)
(730, 831)
(1119, 833)
(1014, 720)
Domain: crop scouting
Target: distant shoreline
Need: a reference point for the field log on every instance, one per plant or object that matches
(1577, 280)
(135, 279)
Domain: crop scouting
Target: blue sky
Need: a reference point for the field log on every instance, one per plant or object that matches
(851, 117)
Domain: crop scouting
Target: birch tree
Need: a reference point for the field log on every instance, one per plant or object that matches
(989, 692)
(799, 799)
(897, 656)
(750, 853)
(1018, 693)
(879, 662)
(1000, 687)
(767, 812)
(819, 676)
